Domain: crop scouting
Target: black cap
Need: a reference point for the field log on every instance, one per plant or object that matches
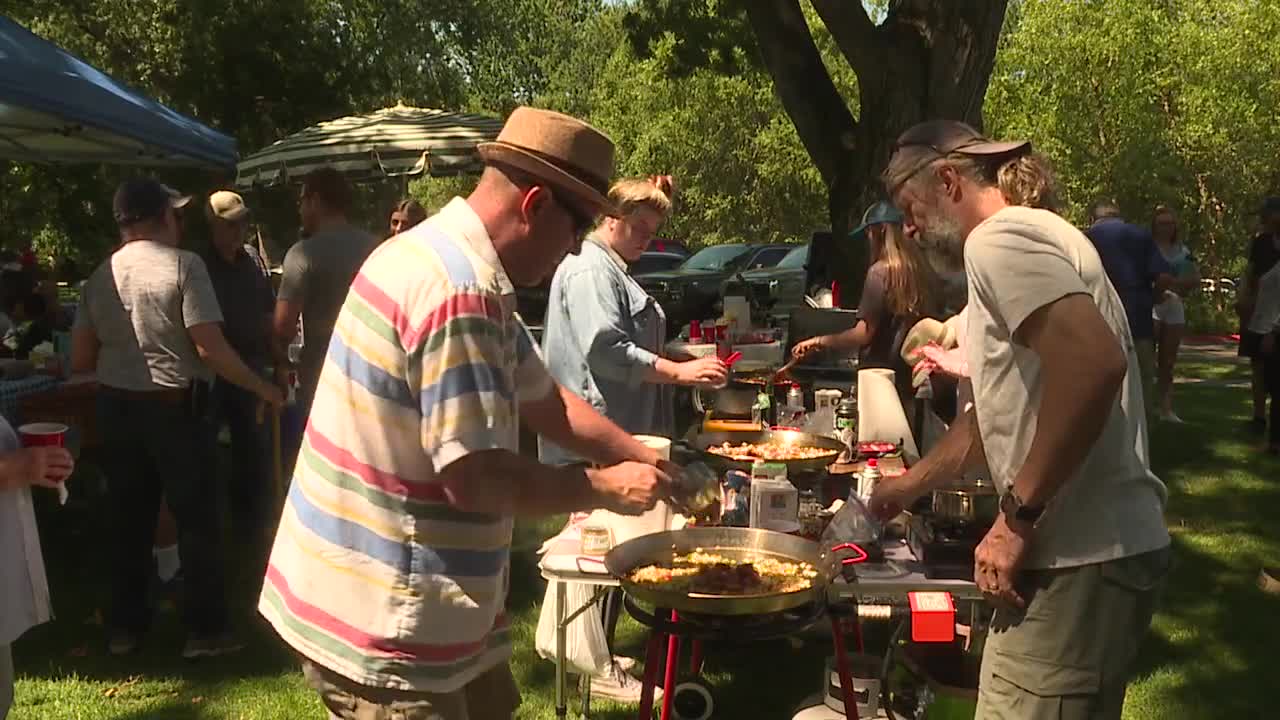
(143, 199)
(1270, 206)
(928, 141)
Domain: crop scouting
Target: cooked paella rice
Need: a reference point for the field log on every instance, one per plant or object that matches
(714, 574)
(770, 451)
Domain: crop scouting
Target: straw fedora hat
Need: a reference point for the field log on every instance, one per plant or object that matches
(566, 152)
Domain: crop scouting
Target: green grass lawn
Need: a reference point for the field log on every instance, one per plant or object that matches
(1209, 654)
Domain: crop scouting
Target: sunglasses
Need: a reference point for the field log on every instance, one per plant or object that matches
(582, 221)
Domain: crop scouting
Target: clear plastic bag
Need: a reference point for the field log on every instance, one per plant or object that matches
(852, 523)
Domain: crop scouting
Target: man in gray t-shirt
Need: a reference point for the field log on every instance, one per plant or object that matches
(1076, 557)
(139, 305)
(149, 326)
(318, 271)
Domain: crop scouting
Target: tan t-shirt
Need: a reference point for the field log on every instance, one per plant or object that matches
(1018, 261)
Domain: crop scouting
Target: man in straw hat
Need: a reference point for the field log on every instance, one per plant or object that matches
(1079, 550)
(389, 570)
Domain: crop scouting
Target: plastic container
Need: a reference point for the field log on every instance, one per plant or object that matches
(791, 413)
(597, 539)
(738, 312)
(775, 502)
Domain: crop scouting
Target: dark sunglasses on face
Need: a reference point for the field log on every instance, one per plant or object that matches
(582, 221)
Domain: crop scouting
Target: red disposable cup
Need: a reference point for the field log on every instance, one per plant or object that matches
(43, 434)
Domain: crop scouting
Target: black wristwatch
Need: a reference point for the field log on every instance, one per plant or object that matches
(1012, 507)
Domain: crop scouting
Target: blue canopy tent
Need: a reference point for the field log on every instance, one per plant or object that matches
(56, 108)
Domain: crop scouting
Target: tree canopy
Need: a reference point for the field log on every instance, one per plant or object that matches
(775, 116)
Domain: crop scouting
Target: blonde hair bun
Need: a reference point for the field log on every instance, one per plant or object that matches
(631, 194)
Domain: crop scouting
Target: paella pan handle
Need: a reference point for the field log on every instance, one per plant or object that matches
(860, 555)
(580, 560)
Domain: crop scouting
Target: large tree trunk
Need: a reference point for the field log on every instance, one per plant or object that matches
(928, 59)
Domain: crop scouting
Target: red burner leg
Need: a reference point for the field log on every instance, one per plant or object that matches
(842, 669)
(650, 675)
(695, 661)
(673, 662)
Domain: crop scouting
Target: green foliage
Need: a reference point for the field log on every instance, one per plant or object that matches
(696, 34)
(1171, 102)
(741, 172)
(434, 192)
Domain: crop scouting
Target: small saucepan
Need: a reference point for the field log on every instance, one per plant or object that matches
(971, 503)
(735, 399)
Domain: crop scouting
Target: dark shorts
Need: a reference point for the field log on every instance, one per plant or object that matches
(1250, 344)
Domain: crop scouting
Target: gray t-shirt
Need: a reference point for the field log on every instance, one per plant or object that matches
(1018, 261)
(317, 274)
(140, 302)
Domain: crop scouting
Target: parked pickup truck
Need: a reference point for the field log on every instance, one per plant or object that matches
(692, 290)
(777, 290)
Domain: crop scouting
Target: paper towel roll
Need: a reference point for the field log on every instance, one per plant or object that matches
(626, 527)
(880, 414)
(655, 442)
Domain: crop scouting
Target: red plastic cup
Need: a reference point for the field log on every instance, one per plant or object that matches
(695, 331)
(43, 434)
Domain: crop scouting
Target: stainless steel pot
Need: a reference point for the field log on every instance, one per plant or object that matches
(976, 503)
(733, 400)
(746, 381)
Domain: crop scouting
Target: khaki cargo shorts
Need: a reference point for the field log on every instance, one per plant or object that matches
(1069, 655)
(491, 696)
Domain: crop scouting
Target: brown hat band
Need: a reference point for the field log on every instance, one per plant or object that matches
(597, 183)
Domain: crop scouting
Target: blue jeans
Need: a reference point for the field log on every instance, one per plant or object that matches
(156, 445)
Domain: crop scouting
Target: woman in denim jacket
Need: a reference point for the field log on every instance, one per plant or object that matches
(604, 334)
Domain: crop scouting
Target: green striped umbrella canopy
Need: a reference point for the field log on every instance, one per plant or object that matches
(392, 142)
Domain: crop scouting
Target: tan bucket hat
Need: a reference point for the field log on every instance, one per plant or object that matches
(227, 205)
(567, 153)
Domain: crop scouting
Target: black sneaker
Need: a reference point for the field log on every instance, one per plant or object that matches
(199, 646)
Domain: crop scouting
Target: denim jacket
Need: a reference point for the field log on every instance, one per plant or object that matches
(602, 336)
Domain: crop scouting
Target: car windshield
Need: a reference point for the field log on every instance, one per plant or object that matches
(716, 257)
(796, 258)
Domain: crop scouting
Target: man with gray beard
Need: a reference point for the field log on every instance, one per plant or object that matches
(1076, 558)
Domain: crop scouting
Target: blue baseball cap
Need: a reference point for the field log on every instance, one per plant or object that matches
(879, 213)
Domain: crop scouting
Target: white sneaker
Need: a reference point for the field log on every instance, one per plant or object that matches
(618, 686)
(1172, 417)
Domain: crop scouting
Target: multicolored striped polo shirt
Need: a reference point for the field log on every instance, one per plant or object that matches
(374, 574)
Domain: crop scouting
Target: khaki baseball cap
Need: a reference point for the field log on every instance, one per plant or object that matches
(228, 206)
(928, 141)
